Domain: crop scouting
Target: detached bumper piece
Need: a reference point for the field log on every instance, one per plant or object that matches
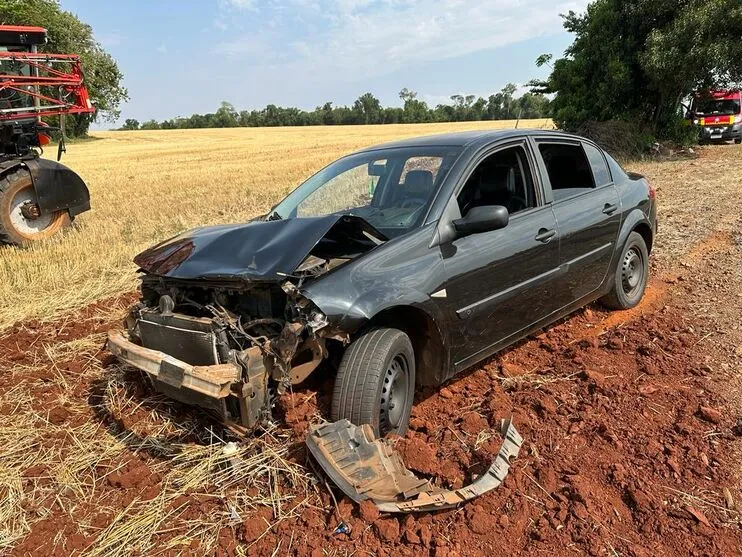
(219, 388)
(213, 381)
(364, 467)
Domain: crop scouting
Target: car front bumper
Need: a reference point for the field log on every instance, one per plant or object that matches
(235, 396)
(213, 381)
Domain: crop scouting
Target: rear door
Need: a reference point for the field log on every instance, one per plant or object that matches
(588, 214)
(498, 282)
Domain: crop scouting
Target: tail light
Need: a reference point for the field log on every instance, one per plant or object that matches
(652, 192)
(44, 139)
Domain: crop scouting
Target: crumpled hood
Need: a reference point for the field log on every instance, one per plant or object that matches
(258, 250)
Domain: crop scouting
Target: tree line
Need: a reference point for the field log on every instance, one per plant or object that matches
(367, 109)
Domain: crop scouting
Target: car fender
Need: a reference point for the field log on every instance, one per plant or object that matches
(630, 222)
(377, 307)
(352, 317)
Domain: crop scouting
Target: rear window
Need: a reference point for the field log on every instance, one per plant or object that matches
(601, 174)
(569, 170)
(617, 171)
(426, 164)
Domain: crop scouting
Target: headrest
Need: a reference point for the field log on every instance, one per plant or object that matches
(418, 181)
(494, 178)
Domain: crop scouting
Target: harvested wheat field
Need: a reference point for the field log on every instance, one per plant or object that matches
(629, 418)
(146, 186)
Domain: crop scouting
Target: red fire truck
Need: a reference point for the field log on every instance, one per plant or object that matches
(719, 115)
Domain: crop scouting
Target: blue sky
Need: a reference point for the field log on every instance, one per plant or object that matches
(186, 56)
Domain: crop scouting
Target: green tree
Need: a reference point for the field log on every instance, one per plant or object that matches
(532, 105)
(226, 116)
(130, 124)
(414, 110)
(150, 125)
(368, 108)
(637, 59)
(500, 106)
(69, 35)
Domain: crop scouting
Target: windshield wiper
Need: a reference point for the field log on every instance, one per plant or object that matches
(274, 216)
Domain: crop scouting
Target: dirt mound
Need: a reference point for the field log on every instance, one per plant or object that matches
(624, 452)
(624, 449)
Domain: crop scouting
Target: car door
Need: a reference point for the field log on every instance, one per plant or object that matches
(588, 213)
(497, 282)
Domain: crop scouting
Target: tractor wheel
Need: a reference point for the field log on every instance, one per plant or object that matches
(20, 222)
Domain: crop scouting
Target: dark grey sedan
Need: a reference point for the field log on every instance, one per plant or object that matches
(394, 267)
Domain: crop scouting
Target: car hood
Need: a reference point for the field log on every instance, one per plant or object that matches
(258, 250)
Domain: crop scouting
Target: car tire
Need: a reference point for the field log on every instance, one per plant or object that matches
(375, 383)
(631, 276)
(738, 140)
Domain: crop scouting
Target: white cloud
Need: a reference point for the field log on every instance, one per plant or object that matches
(241, 4)
(362, 38)
(397, 35)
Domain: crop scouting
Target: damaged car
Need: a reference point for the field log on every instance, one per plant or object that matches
(392, 268)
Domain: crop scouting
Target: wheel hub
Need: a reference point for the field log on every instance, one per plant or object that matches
(632, 271)
(30, 211)
(394, 393)
(25, 215)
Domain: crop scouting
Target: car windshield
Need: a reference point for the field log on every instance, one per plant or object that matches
(717, 106)
(389, 188)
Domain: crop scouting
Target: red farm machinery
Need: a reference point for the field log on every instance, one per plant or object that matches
(38, 197)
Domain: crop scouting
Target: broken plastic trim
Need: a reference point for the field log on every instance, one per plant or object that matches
(364, 467)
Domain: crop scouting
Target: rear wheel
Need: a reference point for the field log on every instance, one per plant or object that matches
(376, 382)
(20, 221)
(632, 275)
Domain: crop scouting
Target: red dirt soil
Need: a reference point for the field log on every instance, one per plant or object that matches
(623, 454)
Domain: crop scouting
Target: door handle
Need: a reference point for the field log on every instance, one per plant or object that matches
(610, 208)
(545, 235)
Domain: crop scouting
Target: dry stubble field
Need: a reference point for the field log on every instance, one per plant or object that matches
(146, 186)
(629, 418)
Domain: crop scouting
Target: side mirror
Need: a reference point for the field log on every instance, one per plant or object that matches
(482, 219)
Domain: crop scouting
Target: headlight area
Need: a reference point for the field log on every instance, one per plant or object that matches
(221, 358)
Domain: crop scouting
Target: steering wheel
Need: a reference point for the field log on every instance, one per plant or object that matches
(413, 203)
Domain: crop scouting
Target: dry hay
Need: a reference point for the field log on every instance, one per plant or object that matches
(67, 456)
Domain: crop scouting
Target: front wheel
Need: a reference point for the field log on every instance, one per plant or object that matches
(375, 383)
(632, 275)
(737, 140)
(20, 221)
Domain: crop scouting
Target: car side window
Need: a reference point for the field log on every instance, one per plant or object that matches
(503, 178)
(601, 173)
(569, 170)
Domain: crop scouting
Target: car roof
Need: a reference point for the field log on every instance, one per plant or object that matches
(473, 138)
